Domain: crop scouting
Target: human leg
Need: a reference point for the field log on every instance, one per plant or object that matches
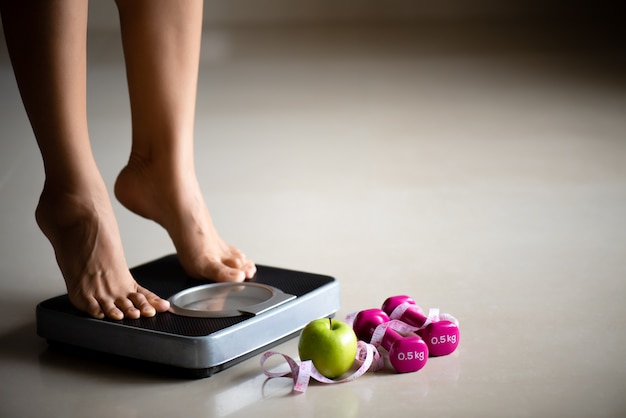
(161, 41)
(47, 45)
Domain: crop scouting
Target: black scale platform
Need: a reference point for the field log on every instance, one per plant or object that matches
(195, 347)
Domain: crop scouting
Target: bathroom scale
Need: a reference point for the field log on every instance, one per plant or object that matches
(209, 327)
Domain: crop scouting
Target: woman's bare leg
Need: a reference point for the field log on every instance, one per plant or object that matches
(47, 44)
(161, 41)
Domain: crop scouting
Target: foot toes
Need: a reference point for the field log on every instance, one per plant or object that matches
(139, 302)
(128, 307)
(249, 269)
(213, 269)
(142, 304)
(161, 305)
(223, 273)
(92, 308)
(241, 263)
(112, 311)
(231, 275)
(154, 302)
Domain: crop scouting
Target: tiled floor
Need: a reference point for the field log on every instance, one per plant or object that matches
(482, 172)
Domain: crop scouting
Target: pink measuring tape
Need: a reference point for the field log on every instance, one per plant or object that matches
(366, 354)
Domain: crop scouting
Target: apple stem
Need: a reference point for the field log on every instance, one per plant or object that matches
(330, 322)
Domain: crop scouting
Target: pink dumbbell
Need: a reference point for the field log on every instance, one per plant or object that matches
(406, 354)
(442, 337)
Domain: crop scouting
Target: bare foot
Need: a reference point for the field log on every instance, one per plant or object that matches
(82, 229)
(173, 199)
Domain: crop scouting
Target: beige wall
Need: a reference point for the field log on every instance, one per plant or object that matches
(103, 12)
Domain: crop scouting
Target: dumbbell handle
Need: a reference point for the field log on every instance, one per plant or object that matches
(390, 338)
(406, 354)
(411, 313)
(442, 337)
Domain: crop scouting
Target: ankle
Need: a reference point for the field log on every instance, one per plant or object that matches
(156, 174)
(58, 211)
(166, 158)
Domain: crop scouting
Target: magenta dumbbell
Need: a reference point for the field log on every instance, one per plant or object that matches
(442, 337)
(406, 354)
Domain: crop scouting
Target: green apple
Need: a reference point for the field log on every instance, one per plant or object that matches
(330, 344)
